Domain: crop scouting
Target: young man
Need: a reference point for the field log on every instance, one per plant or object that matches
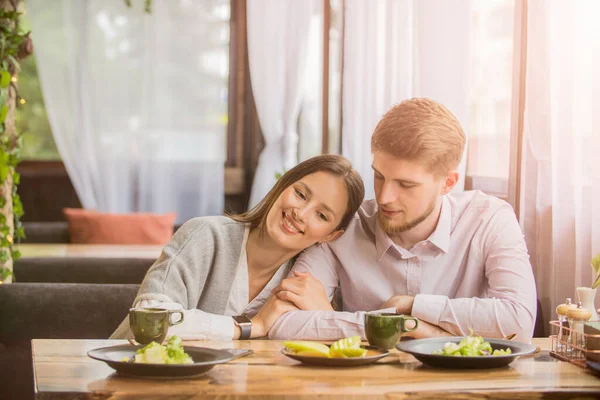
(454, 261)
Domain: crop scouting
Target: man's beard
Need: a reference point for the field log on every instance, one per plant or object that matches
(392, 229)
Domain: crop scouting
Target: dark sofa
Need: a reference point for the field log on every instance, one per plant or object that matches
(53, 311)
(81, 270)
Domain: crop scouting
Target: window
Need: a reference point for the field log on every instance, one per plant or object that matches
(491, 91)
(121, 29)
(220, 73)
(31, 118)
(310, 123)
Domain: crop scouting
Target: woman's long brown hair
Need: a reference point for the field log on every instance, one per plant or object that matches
(333, 164)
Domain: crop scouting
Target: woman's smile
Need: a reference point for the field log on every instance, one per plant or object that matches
(289, 226)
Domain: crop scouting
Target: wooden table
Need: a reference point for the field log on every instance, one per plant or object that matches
(90, 250)
(62, 370)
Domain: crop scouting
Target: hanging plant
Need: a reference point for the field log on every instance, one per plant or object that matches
(14, 46)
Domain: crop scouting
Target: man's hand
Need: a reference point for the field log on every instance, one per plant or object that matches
(426, 330)
(305, 291)
(263, 321)
(403, 304)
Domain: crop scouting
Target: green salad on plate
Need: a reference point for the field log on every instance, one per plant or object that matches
(471, 346)
(155, 353)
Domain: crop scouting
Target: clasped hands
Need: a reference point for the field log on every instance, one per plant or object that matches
(300, 292)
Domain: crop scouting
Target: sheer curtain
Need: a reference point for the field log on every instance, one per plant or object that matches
(137, 102)
(278, 33)
(560, 211)
(395, 50)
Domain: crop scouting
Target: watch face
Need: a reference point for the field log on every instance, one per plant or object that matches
(242, 319)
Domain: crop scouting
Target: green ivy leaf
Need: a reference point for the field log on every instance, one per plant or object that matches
(3, 256)
(5, 230)
(147, 5)
(15, 254)
(3, 112)
(3, 95)
(14, 15)
(4, 79)
(20, 233)
(13, 160)
(5, 273)
(2, 204)
(17, 206)
(3, 157)
(4, 170)
(16, 177)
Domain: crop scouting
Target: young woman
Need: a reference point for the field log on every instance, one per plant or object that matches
(221, 270)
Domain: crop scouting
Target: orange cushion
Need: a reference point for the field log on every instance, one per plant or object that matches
(92, 227)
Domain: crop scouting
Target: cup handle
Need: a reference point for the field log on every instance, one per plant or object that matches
(404, 330)
(180, 320)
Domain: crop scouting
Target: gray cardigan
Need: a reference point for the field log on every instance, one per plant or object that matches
(196, 268)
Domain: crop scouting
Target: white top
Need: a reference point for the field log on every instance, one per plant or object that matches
(199, 325)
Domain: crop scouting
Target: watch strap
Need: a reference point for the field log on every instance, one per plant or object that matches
(245, 326)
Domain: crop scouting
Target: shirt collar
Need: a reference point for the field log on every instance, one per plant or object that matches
(441, 236)
(382, 240)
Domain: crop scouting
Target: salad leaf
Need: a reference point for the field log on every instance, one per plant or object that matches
(155, 353)
(470, 346)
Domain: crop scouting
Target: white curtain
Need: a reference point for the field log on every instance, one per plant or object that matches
(137, 102)
(395, 50)
(277, 46)
(560, 208)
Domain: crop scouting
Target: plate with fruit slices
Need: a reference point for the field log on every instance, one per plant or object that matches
(346, 352)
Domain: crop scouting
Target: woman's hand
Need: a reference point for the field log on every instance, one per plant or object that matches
(305, 291)
(263, 321)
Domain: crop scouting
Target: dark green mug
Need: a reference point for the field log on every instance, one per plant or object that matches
(151, 324)
(384, 330)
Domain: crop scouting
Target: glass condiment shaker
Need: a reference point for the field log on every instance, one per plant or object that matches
(562, 337)
(577, 317)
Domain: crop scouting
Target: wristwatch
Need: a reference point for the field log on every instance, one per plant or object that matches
(245, 325)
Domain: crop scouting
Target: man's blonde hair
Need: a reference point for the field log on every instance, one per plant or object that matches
(423, 131)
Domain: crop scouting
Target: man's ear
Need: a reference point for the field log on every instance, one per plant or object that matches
(450, 181)
(333, 235)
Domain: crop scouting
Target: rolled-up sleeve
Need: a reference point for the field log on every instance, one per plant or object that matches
(510, 303)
